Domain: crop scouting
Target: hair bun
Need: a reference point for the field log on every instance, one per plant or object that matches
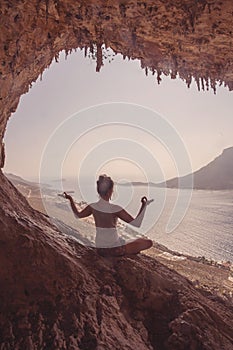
(104, 184)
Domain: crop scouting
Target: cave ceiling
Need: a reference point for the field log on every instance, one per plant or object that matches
(190, 40)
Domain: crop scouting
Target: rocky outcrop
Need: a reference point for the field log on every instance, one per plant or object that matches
(56, 294)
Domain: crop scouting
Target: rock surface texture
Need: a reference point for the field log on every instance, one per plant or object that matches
(54, 293)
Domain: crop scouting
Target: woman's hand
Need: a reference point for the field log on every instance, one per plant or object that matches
(67, 196)
(145, 201)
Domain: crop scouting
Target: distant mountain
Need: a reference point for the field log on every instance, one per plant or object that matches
(19, 180)
(217, 175)
(136, 183)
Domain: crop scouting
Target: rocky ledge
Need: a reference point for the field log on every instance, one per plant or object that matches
(57, 294)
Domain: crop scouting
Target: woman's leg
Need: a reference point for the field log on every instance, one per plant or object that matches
(131, 248)
(138, 245)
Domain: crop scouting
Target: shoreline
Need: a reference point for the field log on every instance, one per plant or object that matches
(212, 278)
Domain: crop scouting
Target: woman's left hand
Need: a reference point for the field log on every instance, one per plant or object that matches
(145, 201)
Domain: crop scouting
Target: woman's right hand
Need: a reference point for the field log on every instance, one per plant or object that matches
(67, 196)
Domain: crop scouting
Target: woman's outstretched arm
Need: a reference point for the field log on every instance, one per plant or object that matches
(137, 221)
(79, 214)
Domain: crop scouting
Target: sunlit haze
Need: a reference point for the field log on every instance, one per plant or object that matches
(202, 120)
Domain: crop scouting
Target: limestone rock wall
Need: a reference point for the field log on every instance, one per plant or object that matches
(54, 293)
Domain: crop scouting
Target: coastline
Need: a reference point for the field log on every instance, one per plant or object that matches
(212, 278)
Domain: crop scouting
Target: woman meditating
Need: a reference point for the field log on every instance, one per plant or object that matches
(106, 214)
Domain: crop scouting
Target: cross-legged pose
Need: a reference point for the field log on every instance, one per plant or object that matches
(106, 215)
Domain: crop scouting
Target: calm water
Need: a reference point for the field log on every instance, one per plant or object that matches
(206, 229)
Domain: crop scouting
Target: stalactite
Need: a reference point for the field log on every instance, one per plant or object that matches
(202, 84)
(197, 80)
(213, 84)
(92, 48)
(159, 73)
(67, 53)
(99, 57)
(56, 56)
(85, 50)
(173, 74)
(188, 80)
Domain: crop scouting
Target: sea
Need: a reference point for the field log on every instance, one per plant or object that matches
(204, 228)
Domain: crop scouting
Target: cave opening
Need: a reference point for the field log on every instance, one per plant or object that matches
(73, 79)
(72, 85)
(55, 292)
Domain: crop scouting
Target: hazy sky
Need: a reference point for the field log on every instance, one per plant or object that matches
(203, 121)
